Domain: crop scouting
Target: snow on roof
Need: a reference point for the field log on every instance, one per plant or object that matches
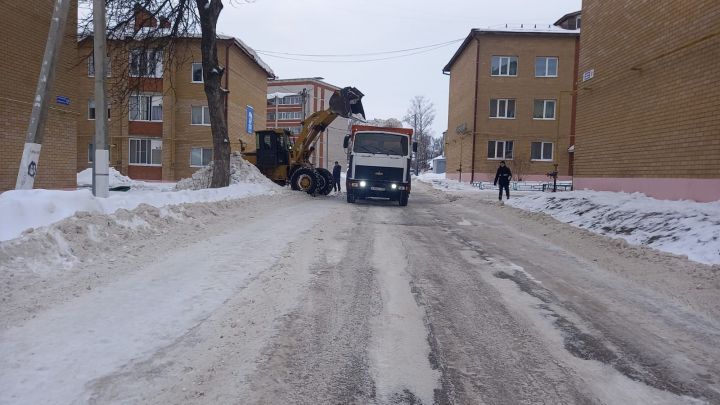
(251, 53)
(159, 32)
(278, 94)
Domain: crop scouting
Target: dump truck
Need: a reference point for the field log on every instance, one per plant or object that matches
(379, 163)
(285, 162)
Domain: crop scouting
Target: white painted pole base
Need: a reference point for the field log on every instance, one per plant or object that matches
(101, 173)
(28, 166)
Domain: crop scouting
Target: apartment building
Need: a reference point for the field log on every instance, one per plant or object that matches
(290, 101)
(511, 98)
(159, 128)
(648, 101)
(24, 29)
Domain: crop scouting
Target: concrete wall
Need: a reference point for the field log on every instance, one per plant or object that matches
(648, 121)
(24, 28)
(524, 88)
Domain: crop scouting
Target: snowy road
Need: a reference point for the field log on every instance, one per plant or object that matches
(293, 300)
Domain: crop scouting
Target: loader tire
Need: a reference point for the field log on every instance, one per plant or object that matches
(304, 179)
(329, 181)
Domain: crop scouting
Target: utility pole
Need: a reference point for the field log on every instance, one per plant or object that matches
(38, 117)
(101, 161)
(419, 135)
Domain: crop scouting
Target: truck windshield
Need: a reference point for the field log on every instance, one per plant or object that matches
(382, 143)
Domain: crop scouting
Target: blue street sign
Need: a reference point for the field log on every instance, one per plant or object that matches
(62, 100)
(250, 124)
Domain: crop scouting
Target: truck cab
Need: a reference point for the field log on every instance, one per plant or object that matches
(379, 163)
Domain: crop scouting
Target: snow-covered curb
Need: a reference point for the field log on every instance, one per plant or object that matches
(679, 227)
(24, 209)
(685, 228)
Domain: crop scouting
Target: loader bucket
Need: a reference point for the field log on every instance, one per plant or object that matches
(346, 102)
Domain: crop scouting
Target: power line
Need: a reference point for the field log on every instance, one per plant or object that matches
(319, 55)
(357, 60)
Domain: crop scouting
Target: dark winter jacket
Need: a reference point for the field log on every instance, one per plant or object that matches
(336, 172)
(503, 175)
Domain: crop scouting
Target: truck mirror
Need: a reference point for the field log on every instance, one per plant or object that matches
(346, 141)
(414, 146)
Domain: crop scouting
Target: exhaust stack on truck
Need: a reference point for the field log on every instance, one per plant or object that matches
(379, 163)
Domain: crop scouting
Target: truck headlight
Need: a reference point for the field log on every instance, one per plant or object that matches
(394, 186)
(363, 184)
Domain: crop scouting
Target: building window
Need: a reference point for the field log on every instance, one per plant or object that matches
(541, 151)
(500, 150)
(91, 109)
(200, 156)
(577, 22)
(287, 100)
(290, 100)
(197, 73)
(504, 66)
(295, 130)
(544, 110)
(502, 108)
(145, 107)
(145, 152)
(91, 152)
(546, 66)
(146, 63)
(91, 66)
(289, 115)
(200, 115)
(271, 116)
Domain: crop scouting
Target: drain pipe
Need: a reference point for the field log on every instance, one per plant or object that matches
(475, 106)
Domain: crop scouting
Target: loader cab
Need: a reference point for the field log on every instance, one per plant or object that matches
(272, 148)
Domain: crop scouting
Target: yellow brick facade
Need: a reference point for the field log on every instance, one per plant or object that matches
(470, 75)
(244, 78)
(24, 28)
(651, 110)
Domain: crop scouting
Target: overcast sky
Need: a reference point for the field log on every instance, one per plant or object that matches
(367, 26)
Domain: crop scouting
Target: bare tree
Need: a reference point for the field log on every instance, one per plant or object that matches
(420, 116)
(146, 33)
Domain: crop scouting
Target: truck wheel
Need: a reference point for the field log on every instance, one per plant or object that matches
(329, 181)
(304, 180)
(350, 197)
(404, 199)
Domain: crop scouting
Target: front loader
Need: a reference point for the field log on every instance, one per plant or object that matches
(284, 163)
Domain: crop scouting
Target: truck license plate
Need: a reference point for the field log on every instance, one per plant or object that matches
(377, 189)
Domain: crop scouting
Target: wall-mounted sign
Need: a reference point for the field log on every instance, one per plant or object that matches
(589, 74)
(62, 100)
(250, 124)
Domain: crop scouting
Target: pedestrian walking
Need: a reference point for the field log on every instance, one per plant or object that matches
(502, 179)
(336, 177)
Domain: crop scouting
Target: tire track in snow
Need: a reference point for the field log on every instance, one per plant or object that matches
(399, 348)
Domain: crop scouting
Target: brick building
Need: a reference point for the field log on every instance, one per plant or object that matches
(24, 28)
(292, 100)
(511, 98)
(161, 129)
(648, 100)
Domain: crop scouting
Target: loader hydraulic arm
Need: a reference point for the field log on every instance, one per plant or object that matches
(343, 103)
(313, 126)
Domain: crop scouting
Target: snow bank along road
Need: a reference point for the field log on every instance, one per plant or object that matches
(287, 299)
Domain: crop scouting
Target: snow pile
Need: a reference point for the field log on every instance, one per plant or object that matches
(24, 209)
(241, 172)
(679, 227)
(439, 182)
(84, 179)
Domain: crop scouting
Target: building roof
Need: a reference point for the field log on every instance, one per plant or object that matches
(549, 31)
(318, 80)
(237, 42)
(567, 17)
